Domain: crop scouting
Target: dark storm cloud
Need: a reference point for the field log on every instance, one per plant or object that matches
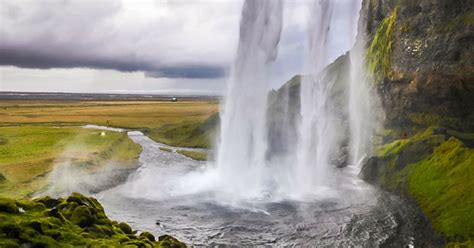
(125, 36)
(188, 72)
(42, 59)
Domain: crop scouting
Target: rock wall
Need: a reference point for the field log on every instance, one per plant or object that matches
(421, 55)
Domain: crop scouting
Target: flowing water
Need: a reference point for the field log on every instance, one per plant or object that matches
(153, 199)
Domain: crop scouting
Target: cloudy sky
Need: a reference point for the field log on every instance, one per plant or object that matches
(158, 46)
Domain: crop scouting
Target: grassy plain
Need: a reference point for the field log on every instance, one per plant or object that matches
(175, 123)
(35, 135)
(29, 153)
(125, 114)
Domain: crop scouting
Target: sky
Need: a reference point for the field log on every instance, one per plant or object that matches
(133, 46)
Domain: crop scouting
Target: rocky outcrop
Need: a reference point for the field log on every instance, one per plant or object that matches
(77, 221)
(284, 109)
(421, 54)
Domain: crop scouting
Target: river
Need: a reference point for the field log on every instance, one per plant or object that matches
(367, 217)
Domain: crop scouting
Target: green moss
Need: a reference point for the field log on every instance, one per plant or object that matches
(391, 148)
(437, 172)
(61, 224)
(201, 156)
(165, 149)
(380, 49)
(442, 184)
(397, 146)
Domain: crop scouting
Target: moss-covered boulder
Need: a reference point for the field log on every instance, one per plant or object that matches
(75, 221)
(436, 168)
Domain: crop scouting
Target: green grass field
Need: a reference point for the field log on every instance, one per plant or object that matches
(29, 153)
(125, 114)
(186, 123)
(36, 135)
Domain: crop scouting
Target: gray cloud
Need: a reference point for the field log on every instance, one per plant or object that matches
(40, 59)
(132, 45)
(159, 38)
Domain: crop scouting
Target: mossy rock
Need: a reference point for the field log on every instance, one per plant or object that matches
(82, 216)
(148, 236)
(77, 221)
(168, 241)
(435, 168)
(8, 206)
(125, 228)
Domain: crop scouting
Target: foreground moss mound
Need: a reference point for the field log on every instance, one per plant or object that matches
(74, 221)
(436, 168)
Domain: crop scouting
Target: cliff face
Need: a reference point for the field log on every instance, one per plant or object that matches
(421, 54)
(284, 110)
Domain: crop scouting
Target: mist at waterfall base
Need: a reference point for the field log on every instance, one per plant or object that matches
(252, 194)
(244, 171)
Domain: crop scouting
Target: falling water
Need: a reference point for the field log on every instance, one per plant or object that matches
(316, 133)
(245, 170)
(241, 155)
(361, 102)
(242, 165)
(322, 132)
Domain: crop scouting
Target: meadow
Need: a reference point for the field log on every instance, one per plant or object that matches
(36, 135)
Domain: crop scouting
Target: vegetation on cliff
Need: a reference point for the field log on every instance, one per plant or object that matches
(435, 168)
(380, 49)
(71, 222)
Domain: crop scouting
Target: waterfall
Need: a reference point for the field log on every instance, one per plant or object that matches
(243, 143)
(315, 131)
(361, 100)
(332, 111)
(322, 130)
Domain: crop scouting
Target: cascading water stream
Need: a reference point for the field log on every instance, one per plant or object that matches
(244, 172)
(241, 155)
(242, 167)
(315, 133)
